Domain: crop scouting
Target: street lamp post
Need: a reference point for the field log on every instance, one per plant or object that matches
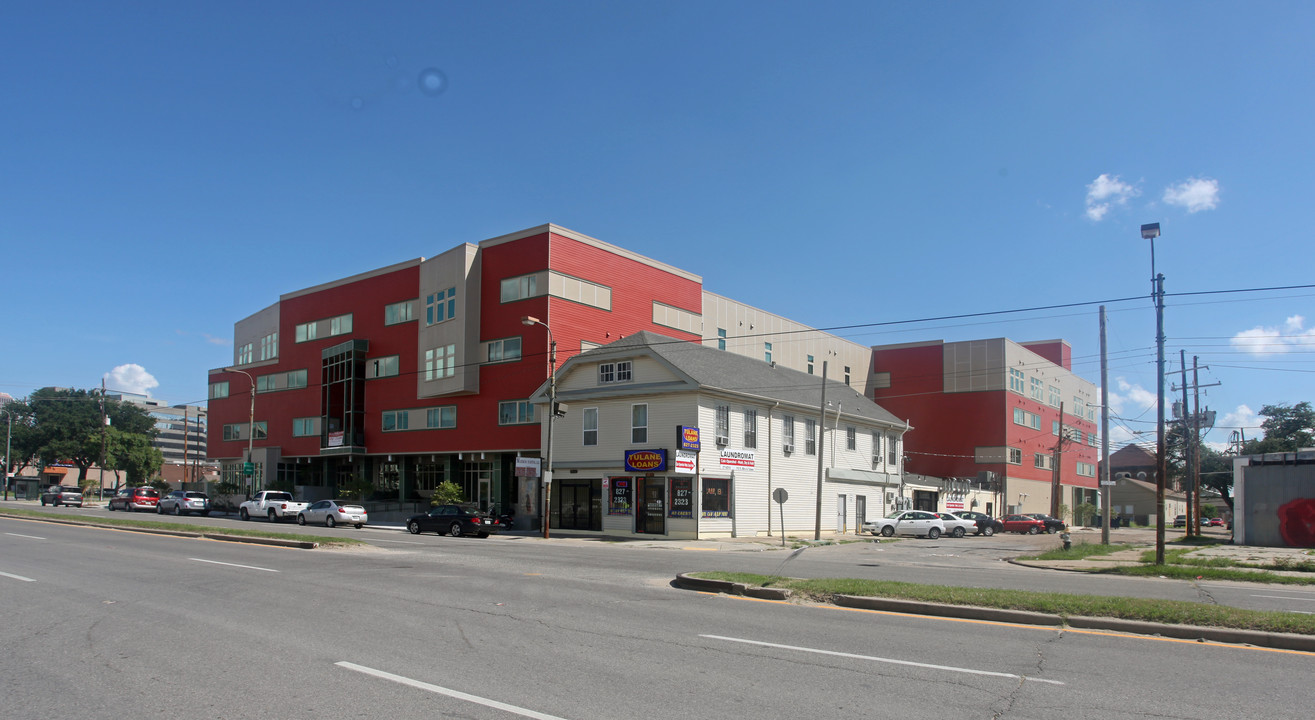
(529, 320)
(1151, 231)
(9, 437)
(251, 422)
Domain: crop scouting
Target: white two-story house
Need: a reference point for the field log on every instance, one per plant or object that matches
(669, 437)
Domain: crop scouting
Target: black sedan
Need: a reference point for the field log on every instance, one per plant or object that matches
(986, 525)
(1053, 524)
(455, 520)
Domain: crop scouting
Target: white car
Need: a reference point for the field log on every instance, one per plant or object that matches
(907, 522)
(334, 512)
(957, 526)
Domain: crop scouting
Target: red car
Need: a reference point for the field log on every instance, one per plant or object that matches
(1216, 522)
(1022, 524)
(134, 498)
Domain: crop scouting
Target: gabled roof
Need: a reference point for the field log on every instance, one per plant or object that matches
(717, 370)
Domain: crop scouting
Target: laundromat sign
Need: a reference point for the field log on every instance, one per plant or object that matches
(646, 460)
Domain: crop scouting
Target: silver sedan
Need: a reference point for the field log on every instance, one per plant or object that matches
(334, 512)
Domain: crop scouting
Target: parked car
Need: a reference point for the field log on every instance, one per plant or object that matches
(134, 498)
(182, 502)
(333, 512)
(907, 522)
(455, 520)
(1053, 524)
(1216, 522)
(986, 525)
(60, 495)
(1180, 521)
(1022, 524)
(956, 526)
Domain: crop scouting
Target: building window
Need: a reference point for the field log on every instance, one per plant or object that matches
(1054, 428)
(723, 425)
(269, 346)
(1091, 439)
(398, 313)
(1086, 469)
(1027, 419)
(590, 426)
(260, 429)
(218, 390)
(876, 448)
(639, 423)
(265, 383)
(440, 362)
(1079, 409)
(519, 288)
(296, 379)
(441, 418)
(721, 338)
(787, 432)
(505, 350)
(615, 372)
(1016, 381)
(750, 428)
(1041, 460)
(245, 355)
(307, 331)
(1038, 390)
(851, 438)
(810, 439)
(515, 412)
(716, 497)
(767, 351)
(1015, 456)
(810, 364)
(846, 374)
(1091, 412)
(341, 325)
(304, 427)
(441, 306)
(892, 449)
(234, 431)
(396, 420)
(382, 367)
(1054, 396)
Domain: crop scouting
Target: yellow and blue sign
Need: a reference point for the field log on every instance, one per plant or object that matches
(646, 460)
(687, 437)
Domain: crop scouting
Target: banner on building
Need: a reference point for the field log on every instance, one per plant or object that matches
(528, 466)
(686, 462)
(737, 458)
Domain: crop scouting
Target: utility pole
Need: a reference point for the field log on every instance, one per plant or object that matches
(1151, 231)
(821, 431)
(1104, 435)
(1192, 524)
(1192, 446)
(101, 483)
(1054, 461)
(186, 437)
(1196, 434)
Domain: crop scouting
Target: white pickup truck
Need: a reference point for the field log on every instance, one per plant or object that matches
(273, 504)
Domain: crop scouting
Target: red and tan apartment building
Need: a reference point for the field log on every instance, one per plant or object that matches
(422, 372)
(993, 406)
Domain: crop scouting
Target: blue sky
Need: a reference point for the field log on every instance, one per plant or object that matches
(169, 168)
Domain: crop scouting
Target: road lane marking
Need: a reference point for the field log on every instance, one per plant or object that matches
(247, 567)
(447, 691)
(873, 658)
(17, 577)
(30, 537)
(1281, 597)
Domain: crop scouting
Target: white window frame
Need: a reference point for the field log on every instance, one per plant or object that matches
(440, 362)
(589, 428)
(750, 428)
(638, 432)
(810, 436)
(723, 434)
(787, 433)
(441, 306)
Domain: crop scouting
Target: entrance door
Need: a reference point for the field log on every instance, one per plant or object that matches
(485, 493)
(840, 513)
(652, 515)
(860, 512)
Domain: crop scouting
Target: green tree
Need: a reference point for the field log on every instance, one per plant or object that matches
(447, 493)
(67, 425)
(19, 427)
(1217, 474)
(133, 454)
(1288, 428)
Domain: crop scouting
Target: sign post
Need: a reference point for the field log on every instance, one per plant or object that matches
(780, 496)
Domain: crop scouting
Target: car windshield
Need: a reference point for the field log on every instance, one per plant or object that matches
(147, 492)
(197, 495)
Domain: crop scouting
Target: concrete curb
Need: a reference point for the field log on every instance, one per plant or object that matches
(276, 542)
(1280, 641)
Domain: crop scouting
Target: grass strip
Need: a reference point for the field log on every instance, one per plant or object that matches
(180, 527)
(1158, 611)
(1077, 552)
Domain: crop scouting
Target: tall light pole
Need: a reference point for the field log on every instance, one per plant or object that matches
(251, 423)
(552, 415)
(1151, 231)
(8, 439)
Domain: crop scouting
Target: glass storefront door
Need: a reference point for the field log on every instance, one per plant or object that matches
(652, 512)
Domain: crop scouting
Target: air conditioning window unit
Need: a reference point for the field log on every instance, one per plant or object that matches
(723, 440)
(788, 447)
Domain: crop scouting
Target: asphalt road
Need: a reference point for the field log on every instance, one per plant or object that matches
(113, 624)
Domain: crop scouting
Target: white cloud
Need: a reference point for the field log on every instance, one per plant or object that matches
(131, 378)
(1262, 341)
(1195, 194)
(1131, 400)
(1106, 191)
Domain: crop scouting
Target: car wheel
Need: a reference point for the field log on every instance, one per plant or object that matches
(887, 530)
(413, 527)
(329, 521)
(243, 514)
(301, 519)
(43, 502)
(272, 517)
(358, 526)
(957, 532)
(1051, 530)
(988, 531)
(455, 530)
(933, 533)
(1032, 530)
(204, 513)
(159, 510)
(178, 510)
